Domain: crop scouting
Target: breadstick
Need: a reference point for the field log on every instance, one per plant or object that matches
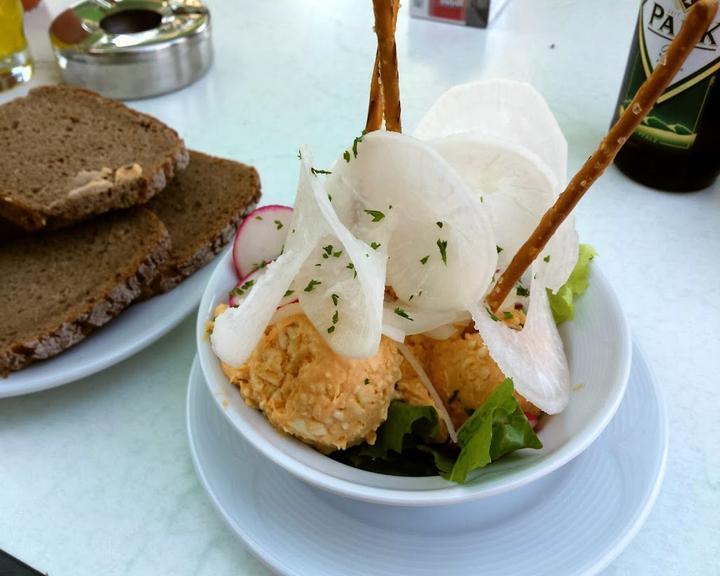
(698, 20)
(375, 105)
(384, 16)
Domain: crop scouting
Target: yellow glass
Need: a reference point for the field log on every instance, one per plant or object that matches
(15, 63)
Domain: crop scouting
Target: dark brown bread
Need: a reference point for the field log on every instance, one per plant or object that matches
(69, 154)
(201, 209)
(57, 287)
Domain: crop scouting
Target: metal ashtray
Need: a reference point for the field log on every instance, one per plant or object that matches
(133, 48)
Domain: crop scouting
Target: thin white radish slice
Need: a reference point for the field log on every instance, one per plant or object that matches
(398, 191)
(518, 188)
(416, 320)
(291, 309)
(342, 285)
(238, 330)
(425, 380)
(514, 112)
(260, 238)
(444, 332)
(393, 333)
(534, 356)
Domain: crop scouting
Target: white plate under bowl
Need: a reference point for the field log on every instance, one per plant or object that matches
(599, 350)
(134, 329)
(573, 521)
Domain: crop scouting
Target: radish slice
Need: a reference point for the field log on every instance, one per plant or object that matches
(238, 330)
(518, 188)
(399, 194)
(504, 110)
(415, 320)
(534, 356)
(260, 238)
(439, 406)
(291, 309)
(244, 286)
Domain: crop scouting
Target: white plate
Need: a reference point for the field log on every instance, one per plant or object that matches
(573, 521)
(134, 329)
(599, 349)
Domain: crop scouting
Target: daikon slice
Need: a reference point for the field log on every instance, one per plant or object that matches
(534, 356)
(518, 188)
(400, 194)
(514, 112)
(416, 320)
(238, 329)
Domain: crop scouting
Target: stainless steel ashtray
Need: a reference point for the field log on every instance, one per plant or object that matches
(133, 48)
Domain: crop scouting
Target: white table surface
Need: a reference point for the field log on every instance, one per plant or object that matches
(96, 477)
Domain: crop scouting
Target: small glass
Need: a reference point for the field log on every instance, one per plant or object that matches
(15, 61)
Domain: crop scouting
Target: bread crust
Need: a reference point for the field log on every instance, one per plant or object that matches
(68, 210)
(97, 311)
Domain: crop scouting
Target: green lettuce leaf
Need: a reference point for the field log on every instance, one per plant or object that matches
(399, 448)
(404, 441)
(494, 430)
(561, 303)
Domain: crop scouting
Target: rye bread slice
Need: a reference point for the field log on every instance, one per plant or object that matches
(69, 154)
(201, 208)
(57, 287)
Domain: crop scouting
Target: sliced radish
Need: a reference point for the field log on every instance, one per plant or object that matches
(506, 110)
(399, 194)
(260, 238)
(246, 284)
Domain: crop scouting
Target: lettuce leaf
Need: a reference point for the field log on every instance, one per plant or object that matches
(404, 441)
(397, 449)
(497, 428)
(561, 303)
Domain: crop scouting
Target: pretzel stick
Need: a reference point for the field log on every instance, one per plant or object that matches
(696, 23)
(375, 105)
(385, 31)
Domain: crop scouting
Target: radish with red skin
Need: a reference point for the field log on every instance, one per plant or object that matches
(260, 238)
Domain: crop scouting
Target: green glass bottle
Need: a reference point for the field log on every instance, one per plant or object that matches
(677, 147)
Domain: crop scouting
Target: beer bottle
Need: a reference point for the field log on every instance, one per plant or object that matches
(677, 146)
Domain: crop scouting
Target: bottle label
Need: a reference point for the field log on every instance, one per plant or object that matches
(674, 119)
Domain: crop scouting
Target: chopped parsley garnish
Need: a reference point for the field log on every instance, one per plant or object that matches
(507, 315)
(259, 265)
(442, 245)
(424, 259)
(346, 155)
(335, 317)
(400, 312)
(375, 245)
(327, 251)
(499, 249)
(453, 396)
(299, 155)
(316, 171)
(494, 318)
(240, 290)
(288, 293)
(376, 215)
(389, 206)
(329, 197)
(331, 330)
(278, 224)
(547, 258)
(411, 297)
(351, 266)
(258, 217)
(335, 299)
(311, 285)
(522, 291)
(439, 224)
(355, 145)
(337, 254)
(367, 381)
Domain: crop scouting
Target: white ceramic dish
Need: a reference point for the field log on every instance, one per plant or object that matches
(134, 329)
(599, 349)
(574, 521)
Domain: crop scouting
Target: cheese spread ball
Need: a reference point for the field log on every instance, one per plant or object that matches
(309, 392)
(461, 370)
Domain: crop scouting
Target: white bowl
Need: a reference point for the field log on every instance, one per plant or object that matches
(598, 346)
